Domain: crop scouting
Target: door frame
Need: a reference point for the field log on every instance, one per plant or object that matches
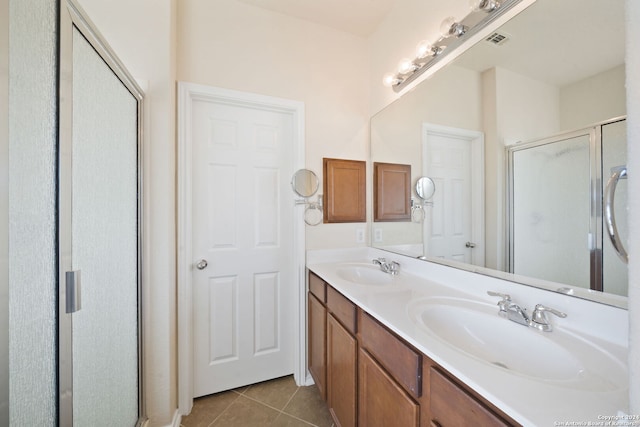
(187, 94)
(476, 140)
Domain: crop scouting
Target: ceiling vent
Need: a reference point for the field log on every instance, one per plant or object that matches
(498, 39)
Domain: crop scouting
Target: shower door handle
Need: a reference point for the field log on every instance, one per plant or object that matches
(618, 173)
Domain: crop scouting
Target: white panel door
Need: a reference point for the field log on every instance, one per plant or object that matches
(448, 163)
(244, 298)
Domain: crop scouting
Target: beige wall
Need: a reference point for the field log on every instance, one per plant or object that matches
(229, 44)
(593, 99)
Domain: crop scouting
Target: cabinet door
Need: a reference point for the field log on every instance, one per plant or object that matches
(341, 373)
(382, 402)
(452, 406)
(317, 339)
(344, 184)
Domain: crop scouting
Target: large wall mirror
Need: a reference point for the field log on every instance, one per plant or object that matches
(551, 79)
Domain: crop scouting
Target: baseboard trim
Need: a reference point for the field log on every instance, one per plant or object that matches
(177, 419)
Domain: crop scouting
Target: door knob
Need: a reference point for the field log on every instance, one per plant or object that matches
(470, 245)
(202, 264)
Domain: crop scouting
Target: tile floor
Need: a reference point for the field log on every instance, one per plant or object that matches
(274, 403)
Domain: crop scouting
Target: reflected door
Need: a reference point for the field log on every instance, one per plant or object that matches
(550, 210)
(454, 226)
(559, 208)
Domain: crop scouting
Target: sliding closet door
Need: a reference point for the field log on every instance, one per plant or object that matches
(104, 243)
(99, 232)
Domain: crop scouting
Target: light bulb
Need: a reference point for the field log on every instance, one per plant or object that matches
(474, 5)
(406, 66)
(424, 49)
(445, 27)
(390, 79)
(450, 27)
(486, 5)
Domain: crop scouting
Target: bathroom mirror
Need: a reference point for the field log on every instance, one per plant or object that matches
(425, 188)
(305, 183)
(533, 78)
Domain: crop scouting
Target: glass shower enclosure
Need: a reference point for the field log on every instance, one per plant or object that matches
(100, 207)
(566, 208)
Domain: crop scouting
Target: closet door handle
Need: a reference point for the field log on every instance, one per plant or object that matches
(618, 173)
(202, 264)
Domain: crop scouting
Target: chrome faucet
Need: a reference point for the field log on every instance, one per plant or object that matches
(515, 313)
(539, 318)
(392, 267)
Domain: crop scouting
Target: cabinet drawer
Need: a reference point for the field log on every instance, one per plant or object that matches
(452, 406)
(317, 287)
(400, 360)
(342, 309)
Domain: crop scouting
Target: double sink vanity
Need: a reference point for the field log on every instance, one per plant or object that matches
(397, 341)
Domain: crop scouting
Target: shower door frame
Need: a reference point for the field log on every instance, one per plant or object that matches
(596, 196)
(73, 16)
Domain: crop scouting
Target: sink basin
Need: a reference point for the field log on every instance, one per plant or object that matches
(476, 329)
(363, 274)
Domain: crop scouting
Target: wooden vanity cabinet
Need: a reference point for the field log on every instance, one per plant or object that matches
(371, 377)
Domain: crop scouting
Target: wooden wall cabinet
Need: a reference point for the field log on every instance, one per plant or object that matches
(344, 183)
(391, 192)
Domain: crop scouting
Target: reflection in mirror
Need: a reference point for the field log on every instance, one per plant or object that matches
(533, 78)
(305, 183)
(425, 187)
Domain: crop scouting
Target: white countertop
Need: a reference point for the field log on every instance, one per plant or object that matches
(529, 401)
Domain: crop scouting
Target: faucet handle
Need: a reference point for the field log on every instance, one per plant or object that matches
(503, 304)
(539, 317)
(379, 261)
(394, 267)
(505, 297)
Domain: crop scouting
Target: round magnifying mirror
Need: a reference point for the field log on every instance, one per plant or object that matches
(425, 187)
(305, 183)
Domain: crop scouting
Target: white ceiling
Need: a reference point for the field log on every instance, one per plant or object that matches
(359, 17)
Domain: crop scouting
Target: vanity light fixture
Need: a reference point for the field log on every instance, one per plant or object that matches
(453, 34)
